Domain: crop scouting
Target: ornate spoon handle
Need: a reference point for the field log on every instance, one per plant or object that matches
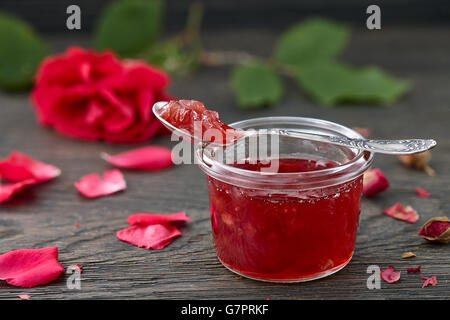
(407, 146)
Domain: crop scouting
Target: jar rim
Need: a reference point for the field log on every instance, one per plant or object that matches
(300, 180)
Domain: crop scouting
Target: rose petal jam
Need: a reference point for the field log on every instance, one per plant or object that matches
(285, 235)
(187, 114)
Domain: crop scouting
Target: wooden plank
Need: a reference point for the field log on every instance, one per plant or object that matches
(188, 268)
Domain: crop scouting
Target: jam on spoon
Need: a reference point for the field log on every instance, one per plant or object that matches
(193, 117)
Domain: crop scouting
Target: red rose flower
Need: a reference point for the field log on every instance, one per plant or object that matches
(95, 96)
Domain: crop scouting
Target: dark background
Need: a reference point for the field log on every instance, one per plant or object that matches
(50, 15)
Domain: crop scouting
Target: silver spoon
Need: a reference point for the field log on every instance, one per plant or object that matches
(396, 147)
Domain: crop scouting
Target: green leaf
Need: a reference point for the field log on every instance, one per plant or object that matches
(333, 82)
(21, 50)
(256, 85)
(129, 26)
(172, 57)
(312, 40)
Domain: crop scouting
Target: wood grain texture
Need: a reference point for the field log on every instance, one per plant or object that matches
(188, 268)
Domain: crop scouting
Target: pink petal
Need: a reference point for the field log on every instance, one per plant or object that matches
(24, 296)
(30, 267)
(422, 193)
(149, 158)
(413, 270)
(154, 237)
(432, 280)
(374, 182)
(390, 275)
(19, 167)
(398, 211)
(150, 219)
(10, 189)
(93, 186)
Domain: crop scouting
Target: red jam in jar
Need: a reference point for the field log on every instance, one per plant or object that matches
(284, 237)
(298, 223)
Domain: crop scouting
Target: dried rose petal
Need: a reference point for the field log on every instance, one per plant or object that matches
(93, 186)
(390, 275)
(418, 161)
(156, 236)
(432, 280)
(19, 167)
(30, 267)
(436, 229)
(365, 132)
(413, 270)
(398, 211)
(10, 189)
(374, 182)
(151, 158)
(408, 254)
(422, 193)
(149, 218)
(24, 296)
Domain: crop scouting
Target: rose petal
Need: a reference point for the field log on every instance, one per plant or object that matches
(149, 158)
(390, 275)
(374, 182)
(24, 296)
(154, 237)
(398, 211)
(10, 189)
(413, 270)
(18, 167)
(30, 267)
(93, 186)
(422, 193)
(432, 280)
(149, 218)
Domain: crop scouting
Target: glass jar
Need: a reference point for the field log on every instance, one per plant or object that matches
(286, 226)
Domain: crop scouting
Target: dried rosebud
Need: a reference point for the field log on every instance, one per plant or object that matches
(408, 254)
(365, 132)
(436, 229)
(374, 182)
(398, 211)
(418, 161)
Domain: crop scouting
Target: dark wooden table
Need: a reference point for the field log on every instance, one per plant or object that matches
(188, 268)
